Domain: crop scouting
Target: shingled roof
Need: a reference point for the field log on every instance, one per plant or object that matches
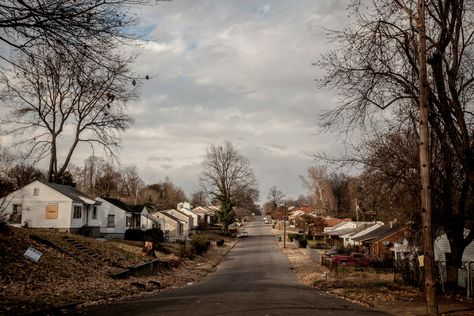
(379, 233)
(118, 204)
(71, 192)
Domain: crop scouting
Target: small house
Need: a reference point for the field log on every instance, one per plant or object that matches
(173, 227)
(49, 205)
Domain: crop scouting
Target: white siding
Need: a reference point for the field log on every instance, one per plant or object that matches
(171, 228)
(107, 208)
(184, 218)
(34, 207)
(441, 247)
(195, 217)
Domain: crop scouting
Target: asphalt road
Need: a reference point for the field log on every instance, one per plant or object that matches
(254, 279)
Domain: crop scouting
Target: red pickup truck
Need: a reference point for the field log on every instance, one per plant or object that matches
(355, 259)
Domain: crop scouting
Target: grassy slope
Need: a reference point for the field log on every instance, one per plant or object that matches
(72, 277)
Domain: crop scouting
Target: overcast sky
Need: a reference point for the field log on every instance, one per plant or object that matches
(231, 70)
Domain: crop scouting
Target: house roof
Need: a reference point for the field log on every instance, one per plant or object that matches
(137, 208)
(332, 221)
(356, 230)
(379, 233)
(364, 229)
(71, 192)
(119, 204)
(340, 232)
(204, 210)
(153, 219)
(304, 208)
(170, 216)
(189, 217)
(336, 227)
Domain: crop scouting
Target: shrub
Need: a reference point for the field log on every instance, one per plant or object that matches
(134, 234)
(302, 243)
(155, 235)
(295, 236)
(200, 243)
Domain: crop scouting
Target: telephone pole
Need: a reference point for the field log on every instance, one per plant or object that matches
(429, 267)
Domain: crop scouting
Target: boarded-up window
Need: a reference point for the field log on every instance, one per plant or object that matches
(51, 211)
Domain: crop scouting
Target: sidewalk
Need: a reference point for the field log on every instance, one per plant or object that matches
(393, 301)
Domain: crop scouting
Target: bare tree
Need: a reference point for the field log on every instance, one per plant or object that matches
(55, 95)
(199, 198)
(162, 195)
(76, 28)
(377, 67)
(131, 184)
(226, 175)
(321, 191)
(275, 197)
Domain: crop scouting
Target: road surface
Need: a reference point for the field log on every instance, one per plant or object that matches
(254, 279)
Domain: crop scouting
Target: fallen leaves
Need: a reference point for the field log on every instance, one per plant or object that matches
(75, 277)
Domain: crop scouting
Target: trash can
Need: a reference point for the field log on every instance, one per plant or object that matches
(279, 238)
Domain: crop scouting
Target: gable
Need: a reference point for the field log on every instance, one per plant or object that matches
(37, 191)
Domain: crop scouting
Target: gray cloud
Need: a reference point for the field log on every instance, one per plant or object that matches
(238, 71)
(230, 70)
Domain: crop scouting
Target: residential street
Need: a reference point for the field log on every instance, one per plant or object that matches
(254, 279)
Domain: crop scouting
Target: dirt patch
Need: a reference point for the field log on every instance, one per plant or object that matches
(70, 275)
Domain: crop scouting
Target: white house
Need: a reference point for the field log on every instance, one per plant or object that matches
(207, 214)
(48, 205)
(142, 219)
(441, 247)
(186, 219)
(115, 217)
(359, 231)
(173, 227)
(186, 208)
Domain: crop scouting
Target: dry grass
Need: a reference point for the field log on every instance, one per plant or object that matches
(73, 276)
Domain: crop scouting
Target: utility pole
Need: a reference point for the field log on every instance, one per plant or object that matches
(429, 266)
(284, 228)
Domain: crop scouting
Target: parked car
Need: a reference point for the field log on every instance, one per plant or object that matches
(243, 234)
(355, 259)
(331, 252)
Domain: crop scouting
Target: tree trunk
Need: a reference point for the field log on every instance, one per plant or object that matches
(52, 161)
(457, 245)
(430, 283)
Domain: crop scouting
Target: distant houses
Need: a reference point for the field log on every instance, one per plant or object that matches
(117, 216)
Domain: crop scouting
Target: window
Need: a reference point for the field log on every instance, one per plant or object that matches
(94, 212)
(36, 191)
(127, 221)
(110, 220)
(77, 212)
(15, 216)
